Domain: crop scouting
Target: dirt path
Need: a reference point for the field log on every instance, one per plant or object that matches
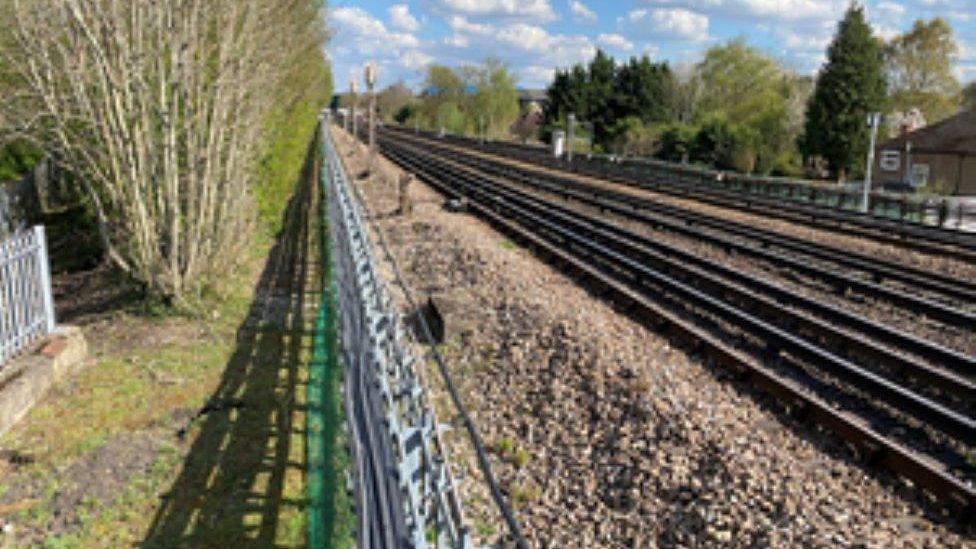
(603, 433)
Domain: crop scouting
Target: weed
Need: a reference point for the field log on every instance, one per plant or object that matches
(504, 446)
(522, 495)
(520, 458)
(62, 542)
(509, 245)
(484, 529)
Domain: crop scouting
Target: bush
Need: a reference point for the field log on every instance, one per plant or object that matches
(405, 113)
(635, 138)
(676, 142)
(16, 159)
(725, 145)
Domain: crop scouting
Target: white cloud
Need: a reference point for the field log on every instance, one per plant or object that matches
(401, 18)
(806, 38)
(512, 41)
(889, 9)
(614, 41)
(764, 9)
(667, 24)
(368, 36)
(534, 10)
(415, 59)
(967, 51)
(360, 37)
(536, 76)
(581, 13)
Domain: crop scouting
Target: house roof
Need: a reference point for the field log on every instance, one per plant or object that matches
(956, 134)
(532, 95)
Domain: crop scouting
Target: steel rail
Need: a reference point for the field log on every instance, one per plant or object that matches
(879, 268)
(946, 236)
(956, 361)
(636, 208)
(630, 245)
(877, 448)
(929, 239)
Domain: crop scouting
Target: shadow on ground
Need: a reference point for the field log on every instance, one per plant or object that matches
(242, 479)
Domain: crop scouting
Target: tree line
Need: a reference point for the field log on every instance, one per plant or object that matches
(465, 100)
(740, 109)
(184, 122)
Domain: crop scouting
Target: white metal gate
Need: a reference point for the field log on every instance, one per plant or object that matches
(26, 302)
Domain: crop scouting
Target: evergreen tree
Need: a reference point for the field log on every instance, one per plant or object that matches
(850, 85)
(646, 90)
(600, 96)
(613, 98)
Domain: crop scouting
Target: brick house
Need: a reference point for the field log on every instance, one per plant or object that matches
(940, 158)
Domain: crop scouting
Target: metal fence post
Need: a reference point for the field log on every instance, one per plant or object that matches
(44, 269)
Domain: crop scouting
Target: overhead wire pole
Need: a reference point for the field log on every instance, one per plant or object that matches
(570, 136)
(355, 105)
(369, 75)
(347, 119)
(874, 120)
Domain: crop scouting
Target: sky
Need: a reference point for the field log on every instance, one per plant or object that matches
(535, 37)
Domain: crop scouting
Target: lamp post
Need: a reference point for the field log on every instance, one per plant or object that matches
(874, 120)
(369, 76)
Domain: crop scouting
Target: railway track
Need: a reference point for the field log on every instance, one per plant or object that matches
(924, 238)
(935, 295)
(742, 322)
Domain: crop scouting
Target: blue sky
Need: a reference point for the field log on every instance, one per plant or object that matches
(534, 37)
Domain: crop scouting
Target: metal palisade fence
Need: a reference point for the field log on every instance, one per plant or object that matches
(26, 303)
(422, 504)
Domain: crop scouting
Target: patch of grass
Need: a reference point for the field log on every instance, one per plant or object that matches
(148, 363)
(522, 494)
(504, 446)
(509, 245)
(484, 529)
(508, 450)
(520, 458)
(62, 542)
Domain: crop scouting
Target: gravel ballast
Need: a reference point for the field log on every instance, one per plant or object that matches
(605, 435)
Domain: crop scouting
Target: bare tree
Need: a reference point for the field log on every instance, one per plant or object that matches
(159, 106)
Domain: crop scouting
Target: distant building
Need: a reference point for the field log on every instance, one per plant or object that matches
(909, 121)
(941, 158)
(532, 97)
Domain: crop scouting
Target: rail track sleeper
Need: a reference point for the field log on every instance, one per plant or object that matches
(957, 361)
(952, 286)
(907, 400)
(898, 458)
(788, 297)
(869, 224)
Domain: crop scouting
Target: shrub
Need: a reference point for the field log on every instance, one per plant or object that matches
(676, 142)
(725, 145)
